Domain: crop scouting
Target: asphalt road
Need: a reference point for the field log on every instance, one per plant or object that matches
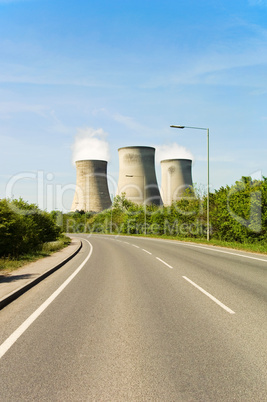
(141, 320)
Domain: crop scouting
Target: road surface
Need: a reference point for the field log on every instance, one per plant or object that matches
(134, 319)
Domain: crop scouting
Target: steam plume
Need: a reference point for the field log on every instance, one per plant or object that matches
(172, 151)
(90, 144)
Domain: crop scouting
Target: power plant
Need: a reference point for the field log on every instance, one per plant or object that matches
(91, 192)
(176, 177)
(137, 180)
(137, 176)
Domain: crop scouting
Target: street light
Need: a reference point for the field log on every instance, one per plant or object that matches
(208, 173)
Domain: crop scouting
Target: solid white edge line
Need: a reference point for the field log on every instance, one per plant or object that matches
(164, 262)
(148, 252)
(6, 345)
(219, 251)
(210, 296)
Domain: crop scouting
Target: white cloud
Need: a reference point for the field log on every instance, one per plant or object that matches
(8, 142)
(9, 108)
(58, 126)
(223, 62)
(218, 62)
(126, 121)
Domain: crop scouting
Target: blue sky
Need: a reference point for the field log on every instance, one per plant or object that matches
(129, 69)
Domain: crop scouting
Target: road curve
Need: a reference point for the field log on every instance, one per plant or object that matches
(135, 319)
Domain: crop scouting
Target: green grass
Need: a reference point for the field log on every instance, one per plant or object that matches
(11, 264)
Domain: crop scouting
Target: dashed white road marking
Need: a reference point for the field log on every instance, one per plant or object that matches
(6, 345)
(148, 252)
(222, 305)
(210, 296)
(164, 262)
(210, 248)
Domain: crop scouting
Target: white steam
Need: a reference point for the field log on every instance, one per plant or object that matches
(172, 151)
(90, 144)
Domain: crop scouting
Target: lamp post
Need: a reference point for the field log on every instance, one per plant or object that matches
(208, 173)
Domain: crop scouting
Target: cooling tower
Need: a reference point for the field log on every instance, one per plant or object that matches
(92, 192)
(176, 177)
(137, 176)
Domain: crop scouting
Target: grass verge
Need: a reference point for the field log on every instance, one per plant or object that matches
(11, 264)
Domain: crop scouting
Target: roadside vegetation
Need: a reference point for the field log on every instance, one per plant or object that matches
(238, 217)
(27, 234)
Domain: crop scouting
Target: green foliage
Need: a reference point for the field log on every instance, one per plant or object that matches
(24, 228)
(125, 217)
(122, 204)
(237, 214)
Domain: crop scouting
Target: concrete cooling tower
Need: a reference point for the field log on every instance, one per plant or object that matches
(176, 177)
(137, 176)
(92, 192)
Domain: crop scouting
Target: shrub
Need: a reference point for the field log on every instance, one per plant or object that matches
(24, 228)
